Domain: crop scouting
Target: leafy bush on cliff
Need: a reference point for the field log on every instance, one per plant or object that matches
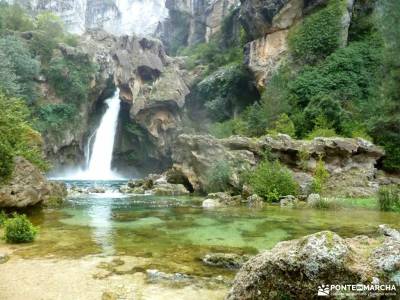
(16, 136)
(283, 125)
(272, 181)
(226, 92)
(227, 128)
(14, 18)
(19, 229)
(321, 176)
(17, 68)
(54, 117)
(71, 77)
(319, 34)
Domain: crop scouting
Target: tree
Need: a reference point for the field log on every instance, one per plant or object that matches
(16, 136)
(21, 63)
(386, 124)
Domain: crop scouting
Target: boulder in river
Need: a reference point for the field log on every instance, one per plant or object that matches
(28, 186)
(294, 269)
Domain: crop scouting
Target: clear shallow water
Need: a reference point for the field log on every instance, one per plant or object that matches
(175, 232)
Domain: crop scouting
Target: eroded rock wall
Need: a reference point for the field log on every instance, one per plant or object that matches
(351, 163)
(150, 82)
(267, 23)
(193, 22)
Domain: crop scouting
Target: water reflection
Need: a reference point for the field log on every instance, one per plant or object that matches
(101, 226)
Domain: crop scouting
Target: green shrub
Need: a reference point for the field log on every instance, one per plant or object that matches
(218, 177)
(211, 55)
(272, 181)
(14, 18)
(71, 78)
(321, 176)
(319, 34)
(226, 92)
(19, 229)
(283, 125)
(321, 129)
(304, 156)
(326, 203)
(17, 138)
(228, 128)
(19, 67)
(3, 218)
(389, 198)
(55, 117)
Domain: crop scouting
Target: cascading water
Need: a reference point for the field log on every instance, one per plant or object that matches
(103, 146)
(99, 163)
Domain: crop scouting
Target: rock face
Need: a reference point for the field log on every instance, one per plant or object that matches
(117, 17)
(150, 82)
(194, 155)
(268, 23)
(294, 269)
(192, 22)
(28, 186)
(67, 147)
(265, 54)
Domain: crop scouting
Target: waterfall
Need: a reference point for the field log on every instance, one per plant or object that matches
(99, 162)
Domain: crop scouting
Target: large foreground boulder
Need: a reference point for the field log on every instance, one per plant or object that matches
(295, 269)
(28, 186)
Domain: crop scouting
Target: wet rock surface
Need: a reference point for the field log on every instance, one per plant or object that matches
(225, 260)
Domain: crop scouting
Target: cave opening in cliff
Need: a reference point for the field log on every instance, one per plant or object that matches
(135, 155)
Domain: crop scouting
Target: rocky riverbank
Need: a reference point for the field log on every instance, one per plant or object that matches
(295, 269)
(28, 186)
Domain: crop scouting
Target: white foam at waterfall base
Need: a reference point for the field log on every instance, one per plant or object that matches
(99, 167)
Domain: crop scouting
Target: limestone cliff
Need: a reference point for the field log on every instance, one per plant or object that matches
(193, 22)
(151, 83)
(268, 23)
(115, 16)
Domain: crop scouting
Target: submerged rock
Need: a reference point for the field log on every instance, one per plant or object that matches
(288, 201)
(97, 190)
(295, 269)
(255, 201)
(28, 186)
(225, 260)
(313, 199)
(155, 275)
(211, 203)
(388, 231)
(4, 258)
(154, 185)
